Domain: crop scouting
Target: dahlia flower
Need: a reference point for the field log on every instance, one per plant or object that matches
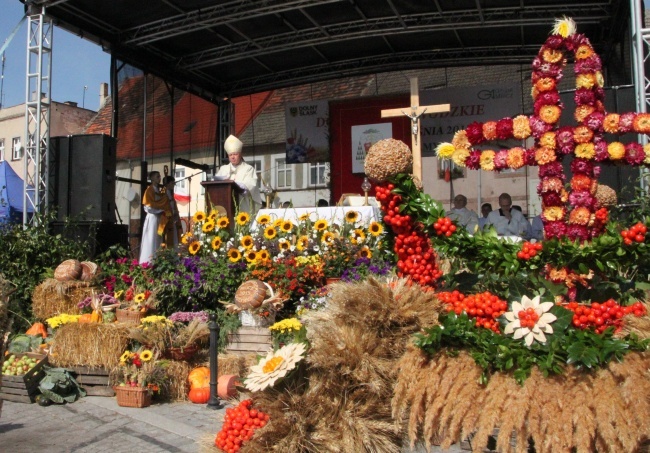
(530, 320)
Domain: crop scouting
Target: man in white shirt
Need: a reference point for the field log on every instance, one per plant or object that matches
(243, 174)
(486, 209)
(508, 221)
(462, 215)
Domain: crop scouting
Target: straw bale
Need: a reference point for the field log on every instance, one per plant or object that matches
(89, 344)
(53, 297)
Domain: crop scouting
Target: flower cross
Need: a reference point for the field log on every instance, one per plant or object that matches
(582, 218)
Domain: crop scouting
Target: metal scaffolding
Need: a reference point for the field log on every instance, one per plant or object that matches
(37, 113)
(640, 58)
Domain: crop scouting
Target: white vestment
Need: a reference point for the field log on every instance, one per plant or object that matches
(464, 217)
(246, 178)
(517, 226)
(151, 240)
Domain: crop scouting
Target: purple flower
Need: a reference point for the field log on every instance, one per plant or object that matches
(582, 198)
(552, 169)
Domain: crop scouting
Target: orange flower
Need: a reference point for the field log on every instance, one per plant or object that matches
(515, 158)
(581, 182)
(545, 84)
(642, 123)
(550, 113)
(646, 149)
(587, 81)
(616, 150)
(460, 156)
(487, 160)
(553, 213)
(584, 51)
(585, 150)
(552, 185)
(583, 112)
(544, 155)
(548, 140)
(521, 127)
(610, 124)
(490, 130)
(460, 140)
(551, 55)
(582, 134)
(580, 216)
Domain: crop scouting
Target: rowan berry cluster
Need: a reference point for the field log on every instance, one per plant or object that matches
(485, 307)
(444, 227)
(415, 256)
(529, 250)
(603, 315)
(636, 233)
(239, 425)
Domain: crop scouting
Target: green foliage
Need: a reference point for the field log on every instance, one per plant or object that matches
(228, 324)
(495, 352)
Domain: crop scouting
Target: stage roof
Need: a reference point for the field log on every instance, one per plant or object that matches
(226, 49)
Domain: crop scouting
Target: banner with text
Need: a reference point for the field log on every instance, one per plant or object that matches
(468, 104)
(307, 126)
(363, 137)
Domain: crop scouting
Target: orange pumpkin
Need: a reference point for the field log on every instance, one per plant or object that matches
(199, 395)
(38, 328)
(199, 377)
(86, 318)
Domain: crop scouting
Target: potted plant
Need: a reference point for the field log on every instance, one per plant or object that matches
(140, 375)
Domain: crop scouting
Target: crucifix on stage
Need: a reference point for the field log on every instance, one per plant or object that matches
(414, 113)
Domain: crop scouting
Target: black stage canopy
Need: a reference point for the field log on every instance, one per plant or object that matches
(221, 49)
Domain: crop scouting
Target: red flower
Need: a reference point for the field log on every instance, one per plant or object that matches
(504, 128)
(475, 133)
(634, 154)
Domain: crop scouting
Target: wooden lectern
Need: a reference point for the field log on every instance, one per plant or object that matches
(222, 193)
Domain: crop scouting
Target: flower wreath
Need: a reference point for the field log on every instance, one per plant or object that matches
(584, 219)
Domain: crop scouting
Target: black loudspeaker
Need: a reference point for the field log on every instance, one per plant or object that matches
(99, 236)
(82, 177)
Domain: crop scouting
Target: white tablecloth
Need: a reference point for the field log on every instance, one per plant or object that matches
(333, 214)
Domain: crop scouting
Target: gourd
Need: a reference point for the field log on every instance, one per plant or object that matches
(251, 294)
(85, 318)
(199, 377)
(199, 395)
(89, 270)
(96, 305)
(68, 270)
(38, 328)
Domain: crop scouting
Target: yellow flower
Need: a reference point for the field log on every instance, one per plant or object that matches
(243, 218)
(550, 113)
(544, 155)
(263, 219)
(376, 228)
(351, 216)
(146, 355)
(284, 244)
(277, 223)
(548, 139)
(302, 243)
(223, 222)
(213, 215)
(646, 149)
(616, 150)
(580, 216)
(139, 298)
(521, 127)
(199, 216)
(445, 150)
(460, 156)
(320, 225)
(585, 151)
(460, 140)
(247, 242)
(487, 160)
(328, 237)
(155, 319)
(587, 80)
(304, 217)
(208, 226)
(234, 255)
(564, 27)
(216, 243)
(610, 124)
(365, 252)
(251, 256)
(263, 255)
(357, 236)
(286, 325)
(194, 247)
(584, 51)
(118, 294)
(553, 213)
(126, 356)
(286, 226)
(185, 239)
(270, 232)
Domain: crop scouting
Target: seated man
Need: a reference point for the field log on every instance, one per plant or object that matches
(508, 221)
(486, 209)
(462, 215)
(537, 228)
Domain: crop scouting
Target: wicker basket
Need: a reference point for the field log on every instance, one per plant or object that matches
(132, 396)
(181, 353)
(129, 316)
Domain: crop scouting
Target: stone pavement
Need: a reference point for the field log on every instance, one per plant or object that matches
(97, 424)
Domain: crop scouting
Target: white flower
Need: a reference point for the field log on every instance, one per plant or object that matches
(274, 366)
(529, 320)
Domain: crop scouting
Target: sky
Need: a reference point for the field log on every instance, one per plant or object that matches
(76, 63)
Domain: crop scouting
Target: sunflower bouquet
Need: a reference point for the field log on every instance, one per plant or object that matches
(140, 369)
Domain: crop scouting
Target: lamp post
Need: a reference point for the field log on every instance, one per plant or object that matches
(214, 402)
(83, 101)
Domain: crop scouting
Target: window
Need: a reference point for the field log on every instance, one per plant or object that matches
(257, 165)
(16, 149)
(317, 173)
(283, 174)
(179, 176)
(2, 149)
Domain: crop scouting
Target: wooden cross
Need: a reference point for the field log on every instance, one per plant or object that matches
(416, 111)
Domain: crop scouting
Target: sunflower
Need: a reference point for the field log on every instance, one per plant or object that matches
(616, 150)
(247, 242)
(487, 160)
(199, 216)
(328, 237)
(365, 252)
(358, 236)
(223, 222)
(286, 226)
(375, 228)
(302, 243)
(320, 225)
(216, 243)
(243, 218)
(194, 247)
(351, 216)
(550, 113)
(284, 244)
(263, 255)
(185, 238)
(234, 255)
(251, 256)
(213, 215)
(277, 223)
(263, 219)
(146, 355)
(139, 298)
(208, 226)
(270, 232)
(125, 357)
